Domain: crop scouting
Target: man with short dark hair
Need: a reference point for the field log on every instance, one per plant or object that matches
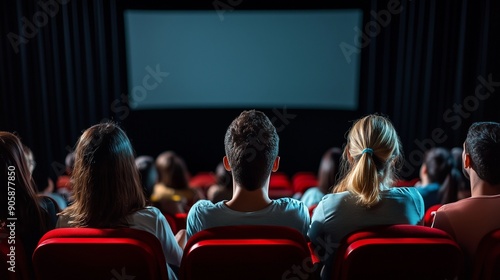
(251, 146)
(469, 219)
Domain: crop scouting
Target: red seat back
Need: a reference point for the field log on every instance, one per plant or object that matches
(311, 209)
(429, 214)
(244, 252)
(280, 185)
(398, 252)
(302, 181)
(89, 253)
(486, 264)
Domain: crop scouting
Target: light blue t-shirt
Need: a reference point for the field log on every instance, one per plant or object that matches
(281, 212)
(339, 214)
(312, 196)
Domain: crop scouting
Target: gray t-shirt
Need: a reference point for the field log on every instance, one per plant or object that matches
(281, 212)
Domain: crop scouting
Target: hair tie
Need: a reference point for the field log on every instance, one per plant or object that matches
(368, 150)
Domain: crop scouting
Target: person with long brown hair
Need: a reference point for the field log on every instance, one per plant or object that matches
(172, 192)
(365, 196)
(34, 214)
(108, 192)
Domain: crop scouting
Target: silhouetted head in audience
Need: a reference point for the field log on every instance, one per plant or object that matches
(69, 161)
(223, 177)
(329, 169)
(251, 146)
(459, 173)
(106, 182)
(17, 182)
(438, 168)
(148, 173)
(371, 156)
(223, 187)
(30, 158)
(481, 157)
(172, 171)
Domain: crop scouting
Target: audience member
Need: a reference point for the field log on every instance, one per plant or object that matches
(148, 174)
(35, 215)
(458, 173)
(108, 191)
(223, 188)
(364, 196)
(172, 191)
(43, 179)
(327, 176)
(251, 147)
(63, 183)
(437, 184)
(469, 219)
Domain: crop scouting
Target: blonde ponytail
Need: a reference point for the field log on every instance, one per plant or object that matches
(365, 181)
(369, 159)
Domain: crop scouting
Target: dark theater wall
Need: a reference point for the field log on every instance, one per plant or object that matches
(430, 66)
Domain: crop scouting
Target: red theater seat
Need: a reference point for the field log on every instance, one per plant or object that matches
(311, 209)
(398, 252)
(89, 253)
(202, 180)
(406, 183)
(280, 185)
(245, 252)
(429, 214)
(487, 260)
(303, 180)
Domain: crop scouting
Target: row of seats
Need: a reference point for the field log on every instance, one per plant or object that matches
(280, 184)
(258, 252)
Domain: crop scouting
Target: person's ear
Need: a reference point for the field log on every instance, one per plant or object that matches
(423, 169)
(276, 164)
(467, 160)
(225, 161)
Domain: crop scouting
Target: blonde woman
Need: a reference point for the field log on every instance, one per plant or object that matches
(108, 192)
(365, 196)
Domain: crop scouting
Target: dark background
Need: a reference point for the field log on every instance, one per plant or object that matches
(70, 73)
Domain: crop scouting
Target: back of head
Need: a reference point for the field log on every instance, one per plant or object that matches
(70, 162)
(329, 169)
(148, 173)
(251, 146)
(172, 170)
(439, 164)
(370, 159)
(105, 179)
(483, 146)
(223, 177)
(440, 167)
(16, 178)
